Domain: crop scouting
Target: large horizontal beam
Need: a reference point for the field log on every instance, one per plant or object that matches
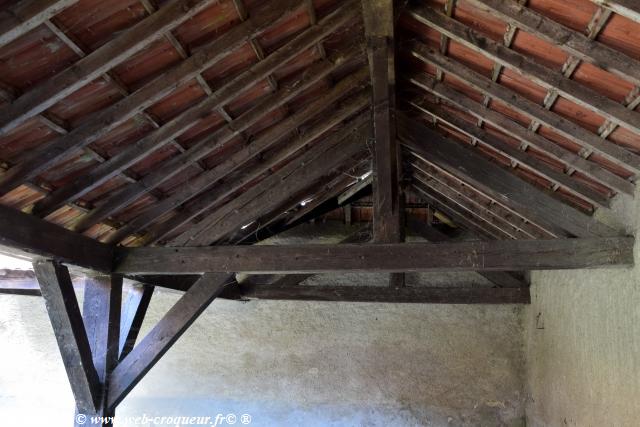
(33, 236)
(382, 258)
(385, 294)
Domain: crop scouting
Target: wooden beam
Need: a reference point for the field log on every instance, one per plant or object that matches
(505, 255)
(479, 199)
(99, 124)
(206, 179)
(190, 117)
(66, 319)
(34, 237)
(503, 186)
(108, 56)
(383, 294)
(387, 194)
(133, 311)
(513, 129)
(166, 332)
(288, 186)
(101, 313)
(460, 216)
(579, 135)
(198, 231)
(539, 74)
(502, 279)
(25, 15)
(240, 179)
(355, 189)
(574, 42)
(492, 214)
(627, 8)
(379, 28)
(521, 159)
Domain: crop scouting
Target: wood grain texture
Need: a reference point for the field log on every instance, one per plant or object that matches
(68, 327)
(131, 41)
(384, 294)
(166, 332)
(501, 185)
(26, 15)
(383, 257)
(36, 237)
(102, 122)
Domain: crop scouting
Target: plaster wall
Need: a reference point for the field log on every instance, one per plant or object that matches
(583, 340)
(296, 363)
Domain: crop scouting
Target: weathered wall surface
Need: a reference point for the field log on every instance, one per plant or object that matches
(583, 341)
(296, 364)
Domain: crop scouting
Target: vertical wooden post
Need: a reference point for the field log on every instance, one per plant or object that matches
(387, 206)
(101, 313)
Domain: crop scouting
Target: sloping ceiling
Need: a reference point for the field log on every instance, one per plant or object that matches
(200, 122)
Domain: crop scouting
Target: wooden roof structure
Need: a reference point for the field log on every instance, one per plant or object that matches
(159, 140)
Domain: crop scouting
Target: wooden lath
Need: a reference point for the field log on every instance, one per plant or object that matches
(98, 62)
(109, 118)
(206, 179)
(26, 15)
(538, 73)
(517, 156)
(626, 8)
(520, 133)
(502, 185)
(188, 118)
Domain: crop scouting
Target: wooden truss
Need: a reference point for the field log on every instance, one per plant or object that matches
(354, 133)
